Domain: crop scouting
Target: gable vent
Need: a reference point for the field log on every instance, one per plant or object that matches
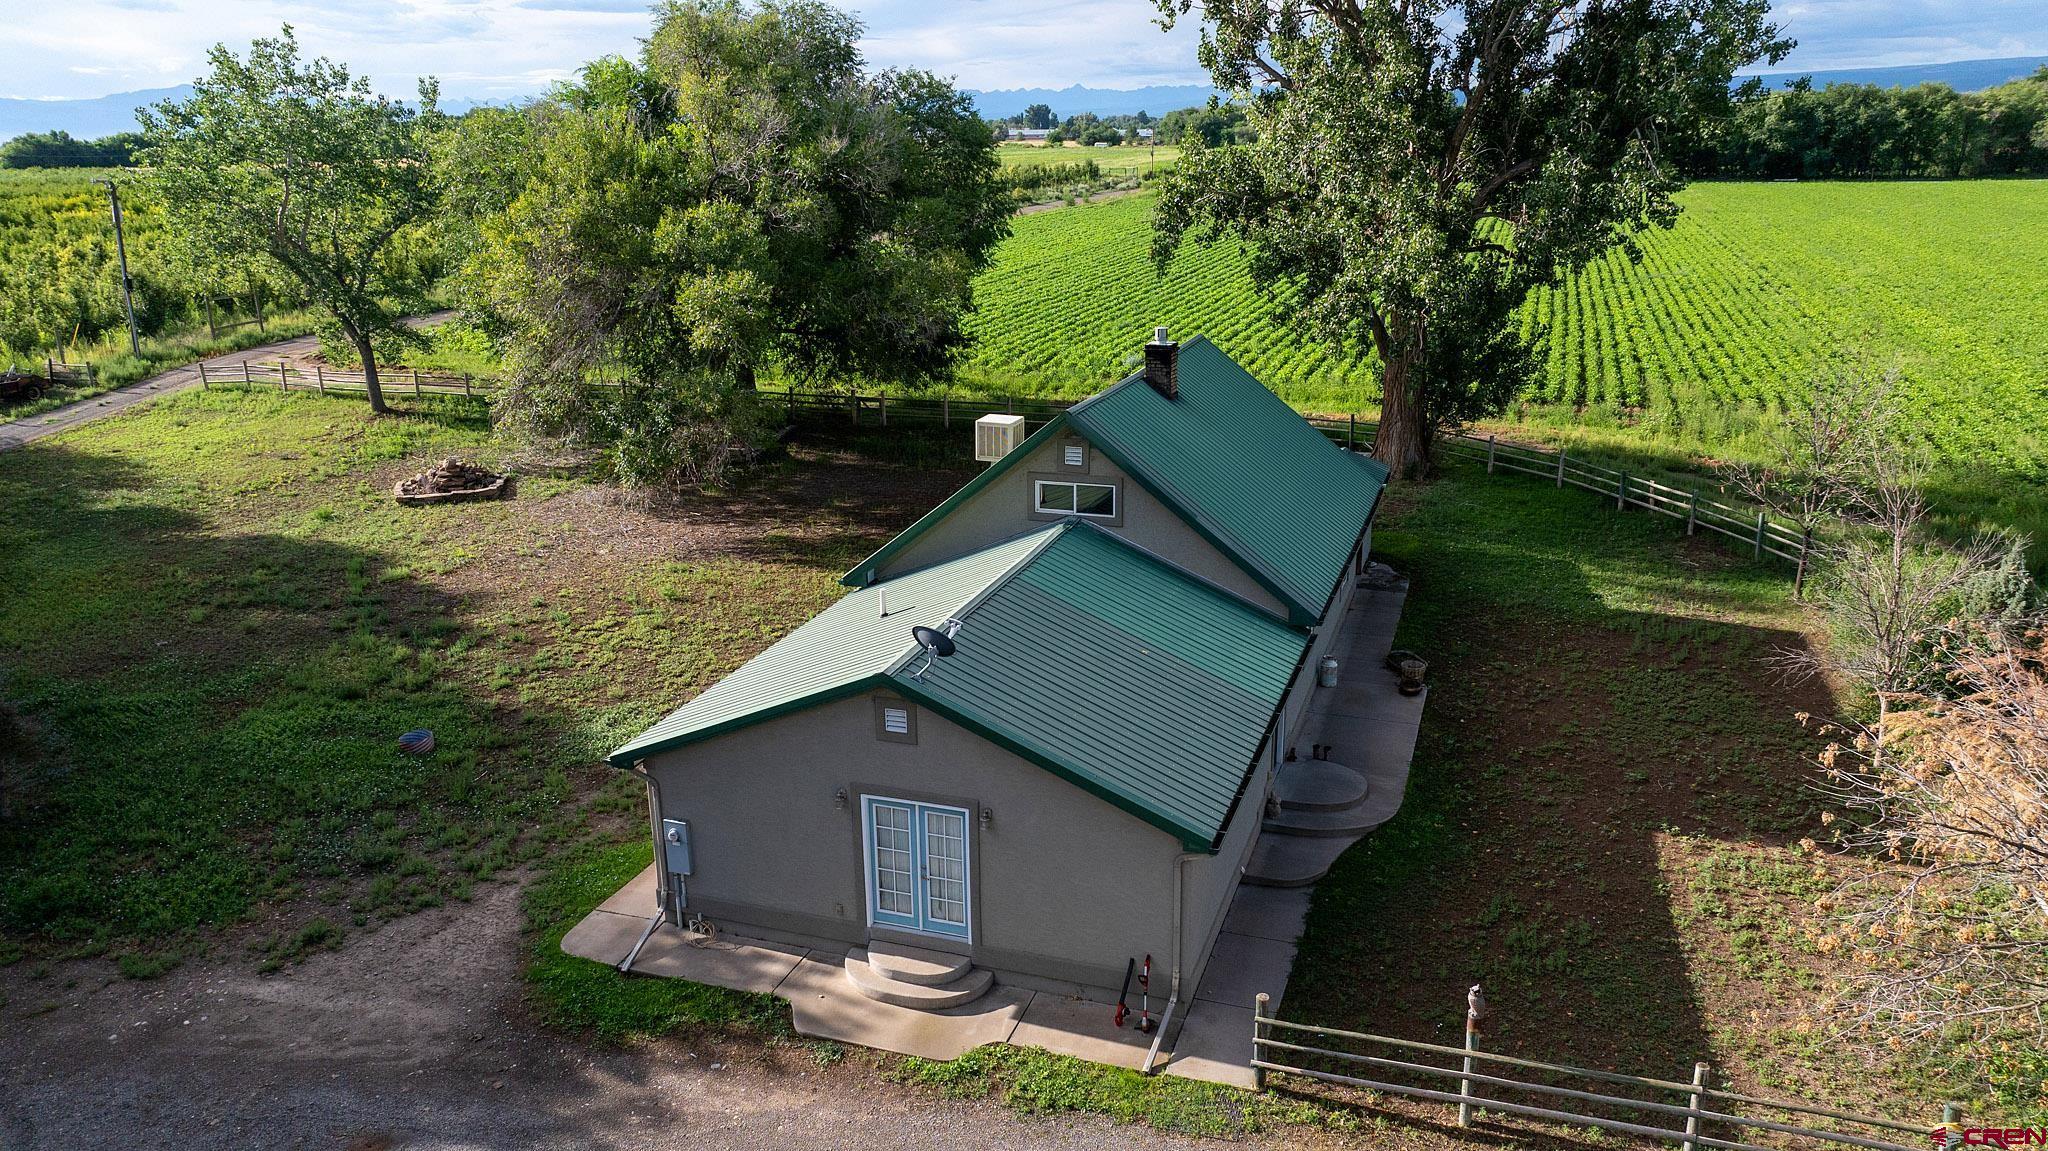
(1076, 455)
(896, 720)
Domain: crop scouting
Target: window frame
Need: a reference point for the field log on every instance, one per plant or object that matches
(1074, 486)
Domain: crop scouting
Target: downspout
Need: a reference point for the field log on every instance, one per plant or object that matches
(660, 872)
(1180, 863)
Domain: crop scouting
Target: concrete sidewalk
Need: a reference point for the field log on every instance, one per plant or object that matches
(1370, 727)
(825, 1004)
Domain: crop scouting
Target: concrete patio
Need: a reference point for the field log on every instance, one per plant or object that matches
(1371, 729)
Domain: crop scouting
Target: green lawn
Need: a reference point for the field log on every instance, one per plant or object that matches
(217, 624)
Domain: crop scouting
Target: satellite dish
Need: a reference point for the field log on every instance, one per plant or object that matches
(938, 643)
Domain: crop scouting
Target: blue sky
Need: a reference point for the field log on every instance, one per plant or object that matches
(500, 48)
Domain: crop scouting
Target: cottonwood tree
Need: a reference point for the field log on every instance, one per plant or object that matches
(1420, 165)
(744, 197)
(300, 165)
(1950, 800)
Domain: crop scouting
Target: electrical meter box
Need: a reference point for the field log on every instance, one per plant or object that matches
(675, 845)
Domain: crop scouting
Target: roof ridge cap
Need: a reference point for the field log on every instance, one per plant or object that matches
(986, 590)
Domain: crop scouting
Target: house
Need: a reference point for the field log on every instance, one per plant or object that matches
(1069, 769)
(1029, 135)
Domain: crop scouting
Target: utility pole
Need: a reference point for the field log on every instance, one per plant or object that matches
(121, 249)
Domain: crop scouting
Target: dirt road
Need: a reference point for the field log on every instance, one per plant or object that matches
(413, 1037)
(14, 433)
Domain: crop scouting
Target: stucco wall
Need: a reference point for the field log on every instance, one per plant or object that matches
(1004, 510)
(1065, 886)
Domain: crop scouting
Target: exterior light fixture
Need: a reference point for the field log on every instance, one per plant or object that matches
(988, 816)
(839, 799)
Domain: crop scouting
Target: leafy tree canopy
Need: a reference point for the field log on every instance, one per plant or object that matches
(299, 166)
(1421, 164)
(1039, 116)
(60, 150)
(743, 197)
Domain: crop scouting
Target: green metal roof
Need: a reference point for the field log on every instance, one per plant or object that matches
(837, 651)
(1244, 469)
(1118, 672)
(1232, 460)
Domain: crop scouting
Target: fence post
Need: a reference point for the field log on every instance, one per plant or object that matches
(1621, 494)
(1692, 1121)
(465, 384)
(1760, 522)
(1799, 577)
(1475, 1006)
(1489, 454)
(945, 410)
(320, 377)
(1351, 434)
(281, 385)
(1560, 467)
(210, 329)
(1262, 1010)
(1692, 512)
(245, 373)
(415, 383)
(50, 369)
(885, 409)
(203, 381)
(853, 407)
(1951, 1114)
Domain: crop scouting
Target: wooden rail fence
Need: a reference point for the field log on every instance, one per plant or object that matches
(1705, 1108)
(1750, 527)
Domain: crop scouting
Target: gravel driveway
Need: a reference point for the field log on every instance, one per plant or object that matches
(413, 1037)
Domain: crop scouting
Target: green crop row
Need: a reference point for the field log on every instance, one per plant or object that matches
(1725, 320)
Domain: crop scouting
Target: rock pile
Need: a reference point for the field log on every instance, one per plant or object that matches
(450, 480)
(450, 475)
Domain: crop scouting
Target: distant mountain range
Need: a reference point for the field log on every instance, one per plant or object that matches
(104, 115)
(1064, 102)
(1962, 75)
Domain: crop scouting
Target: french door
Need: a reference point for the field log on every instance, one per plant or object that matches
(917, 866)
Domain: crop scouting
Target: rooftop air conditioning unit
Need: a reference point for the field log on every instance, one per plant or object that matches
(996, 436)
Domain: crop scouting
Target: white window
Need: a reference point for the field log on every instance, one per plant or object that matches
(1076, 456)
(896, 720)
(1061, 498)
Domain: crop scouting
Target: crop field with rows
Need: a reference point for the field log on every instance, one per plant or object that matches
(1730, 313)
(1073, 294)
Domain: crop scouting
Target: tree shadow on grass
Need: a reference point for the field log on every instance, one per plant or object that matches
(1603, 752)
(218, 715)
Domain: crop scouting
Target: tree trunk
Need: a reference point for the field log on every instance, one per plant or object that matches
(1403, 441)
(368, 355)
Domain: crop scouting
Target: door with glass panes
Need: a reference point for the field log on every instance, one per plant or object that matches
(917, 866)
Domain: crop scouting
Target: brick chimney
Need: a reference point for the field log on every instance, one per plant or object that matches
(1162, 365)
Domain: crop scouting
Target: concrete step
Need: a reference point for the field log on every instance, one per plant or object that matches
(1352, 821)
(1317, 785)
(906, 964)
(916, 996)
(1293, 860)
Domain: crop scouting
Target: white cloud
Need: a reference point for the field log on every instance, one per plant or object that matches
(499, 48)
